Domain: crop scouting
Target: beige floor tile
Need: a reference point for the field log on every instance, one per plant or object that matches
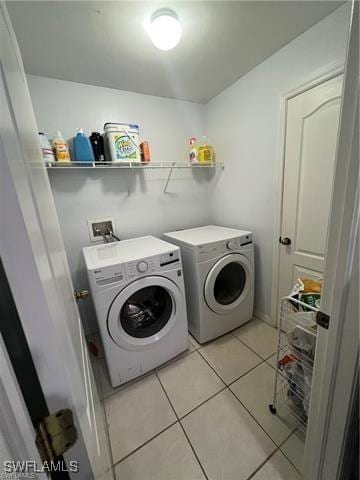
(229, 357)
(194, 342)
(189, 381)
(136, 414)
(277, 468)
(192, 347)
(228, 442)
(259, 336)
(255, 391)
(272, 360)
(166, 457)
(293, 448)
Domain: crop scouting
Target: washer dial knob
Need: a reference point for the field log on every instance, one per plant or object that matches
(142, 267)
(231, 244)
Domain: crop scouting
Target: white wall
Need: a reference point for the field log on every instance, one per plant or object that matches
(243, 124)
(135, 199)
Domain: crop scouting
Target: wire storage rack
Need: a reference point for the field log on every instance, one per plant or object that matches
(295, 360)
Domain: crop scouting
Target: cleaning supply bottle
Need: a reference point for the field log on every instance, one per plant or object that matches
(97, 143)
(61, 148)
(83, 151)
(194, 152)
(206, 152)
(46, 148)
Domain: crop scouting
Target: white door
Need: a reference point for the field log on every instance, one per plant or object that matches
(36, 265)
(311, 136)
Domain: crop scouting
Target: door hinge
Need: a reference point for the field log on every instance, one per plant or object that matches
(82, 295)
(323, 319)
(55, 434)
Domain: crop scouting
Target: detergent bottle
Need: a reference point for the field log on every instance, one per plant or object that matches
(206, 152)
(83, 151)
(61, 148)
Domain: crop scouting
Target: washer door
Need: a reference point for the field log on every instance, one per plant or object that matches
(227, 283)
(143, 312)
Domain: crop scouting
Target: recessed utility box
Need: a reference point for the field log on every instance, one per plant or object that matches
(99, 227)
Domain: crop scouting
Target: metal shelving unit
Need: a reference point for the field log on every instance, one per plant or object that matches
(295, 360)
(128, 165)
(97, 166)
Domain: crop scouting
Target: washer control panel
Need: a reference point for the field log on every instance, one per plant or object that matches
(137, 268)
(142, 266)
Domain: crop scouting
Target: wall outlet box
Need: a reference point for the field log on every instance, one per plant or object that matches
(99, 227)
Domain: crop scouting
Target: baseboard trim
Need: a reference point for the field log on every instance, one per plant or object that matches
(264, 317)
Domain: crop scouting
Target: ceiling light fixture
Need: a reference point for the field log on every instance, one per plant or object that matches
(165, 29)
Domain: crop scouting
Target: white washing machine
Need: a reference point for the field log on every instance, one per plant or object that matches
(138, 290)
(219, 278)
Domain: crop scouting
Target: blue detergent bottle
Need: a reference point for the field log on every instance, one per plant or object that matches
(83, 151)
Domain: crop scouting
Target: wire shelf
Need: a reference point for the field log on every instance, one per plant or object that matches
(295, 359)
(129, 165)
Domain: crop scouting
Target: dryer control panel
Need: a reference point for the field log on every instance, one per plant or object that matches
(211, 250)
(128, 271)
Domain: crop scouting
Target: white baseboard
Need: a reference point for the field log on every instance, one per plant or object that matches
(264, 317)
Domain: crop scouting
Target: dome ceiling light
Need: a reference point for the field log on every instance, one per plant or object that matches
(165, 29)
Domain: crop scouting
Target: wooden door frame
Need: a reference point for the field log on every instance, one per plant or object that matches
(316, 78)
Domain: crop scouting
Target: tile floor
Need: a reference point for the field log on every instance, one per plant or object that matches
(203, 415)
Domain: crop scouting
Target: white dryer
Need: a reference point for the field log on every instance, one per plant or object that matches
(138, 290)
(219, 278)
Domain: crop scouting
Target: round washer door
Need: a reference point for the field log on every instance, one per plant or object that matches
(144, 312)
(227, 283)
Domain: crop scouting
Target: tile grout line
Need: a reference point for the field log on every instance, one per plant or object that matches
(145, 443)
(254, 351)
(252, 416)
(182, 427)
(280, 448)
(197, 349)
(260, 467)
(138, 379)
(202, 403)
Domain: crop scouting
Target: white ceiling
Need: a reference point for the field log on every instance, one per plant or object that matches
(105, 43)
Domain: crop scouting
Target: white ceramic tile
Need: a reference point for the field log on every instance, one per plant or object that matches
(255, 391)
(293, 448)
(272, 360)
(228, 442)
(259, 336)
(166, 457)
(194, 342)
(136, 414)
(277, 468)
(192, 347)
(229, 357)
(189, 381)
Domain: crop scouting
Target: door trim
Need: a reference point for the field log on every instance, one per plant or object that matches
(316, 78)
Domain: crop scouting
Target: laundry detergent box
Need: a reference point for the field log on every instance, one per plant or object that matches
(122, 143)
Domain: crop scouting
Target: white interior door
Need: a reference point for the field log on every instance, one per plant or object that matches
(311, 135)
(36, 265)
